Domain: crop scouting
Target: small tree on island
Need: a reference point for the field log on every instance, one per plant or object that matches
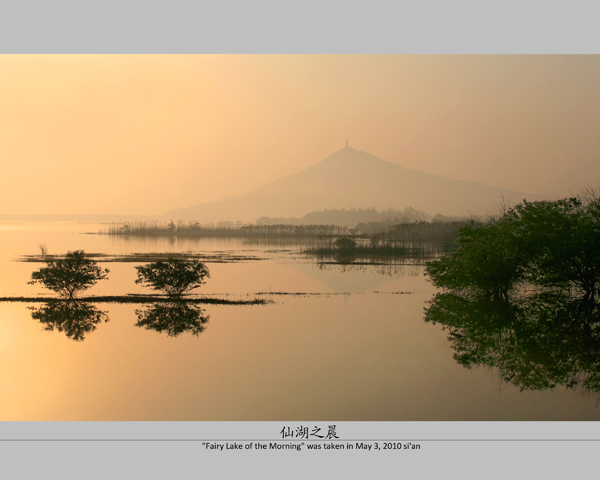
(69, 275)
(173, 276)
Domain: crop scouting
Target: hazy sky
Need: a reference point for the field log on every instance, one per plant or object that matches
(145, 134)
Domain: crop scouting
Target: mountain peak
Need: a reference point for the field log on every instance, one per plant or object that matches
(351, 157)
(351, 178)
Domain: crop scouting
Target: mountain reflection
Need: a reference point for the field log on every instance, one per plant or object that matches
(173, 318)
(75, 319)
(535, 343)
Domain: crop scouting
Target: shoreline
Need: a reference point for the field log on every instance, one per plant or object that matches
(138, 299)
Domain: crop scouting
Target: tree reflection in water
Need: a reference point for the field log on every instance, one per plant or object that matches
(74, 318)
(173, 318)
(535, 343)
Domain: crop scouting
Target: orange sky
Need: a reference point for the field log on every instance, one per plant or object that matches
(149, 133)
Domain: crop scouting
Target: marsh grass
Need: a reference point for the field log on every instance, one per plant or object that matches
(214, 257)
(418, 231)
(223, 229)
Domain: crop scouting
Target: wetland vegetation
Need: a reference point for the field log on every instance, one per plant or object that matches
(398, 237)
(69, 275)
(552, 244)
(173, 276)
(213, 257)
(519, 291)
(521, 294)
(137, 299)
(537, 337)
(223, 229)
(75, 272)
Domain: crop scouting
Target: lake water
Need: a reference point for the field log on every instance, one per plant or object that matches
(352, 346)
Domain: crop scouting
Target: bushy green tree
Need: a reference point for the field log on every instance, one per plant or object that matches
(547, 243)
(488, 258)
(173, 276)
(563, 238)
(70, 275)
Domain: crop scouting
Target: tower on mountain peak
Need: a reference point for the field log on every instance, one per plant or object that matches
(347, 143)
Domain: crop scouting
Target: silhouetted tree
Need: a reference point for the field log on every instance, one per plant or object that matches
(173, 276)
(69, 275)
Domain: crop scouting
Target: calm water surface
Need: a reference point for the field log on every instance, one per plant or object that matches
(353, 346)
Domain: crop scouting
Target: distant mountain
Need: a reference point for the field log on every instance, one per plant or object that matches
(352, 178)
